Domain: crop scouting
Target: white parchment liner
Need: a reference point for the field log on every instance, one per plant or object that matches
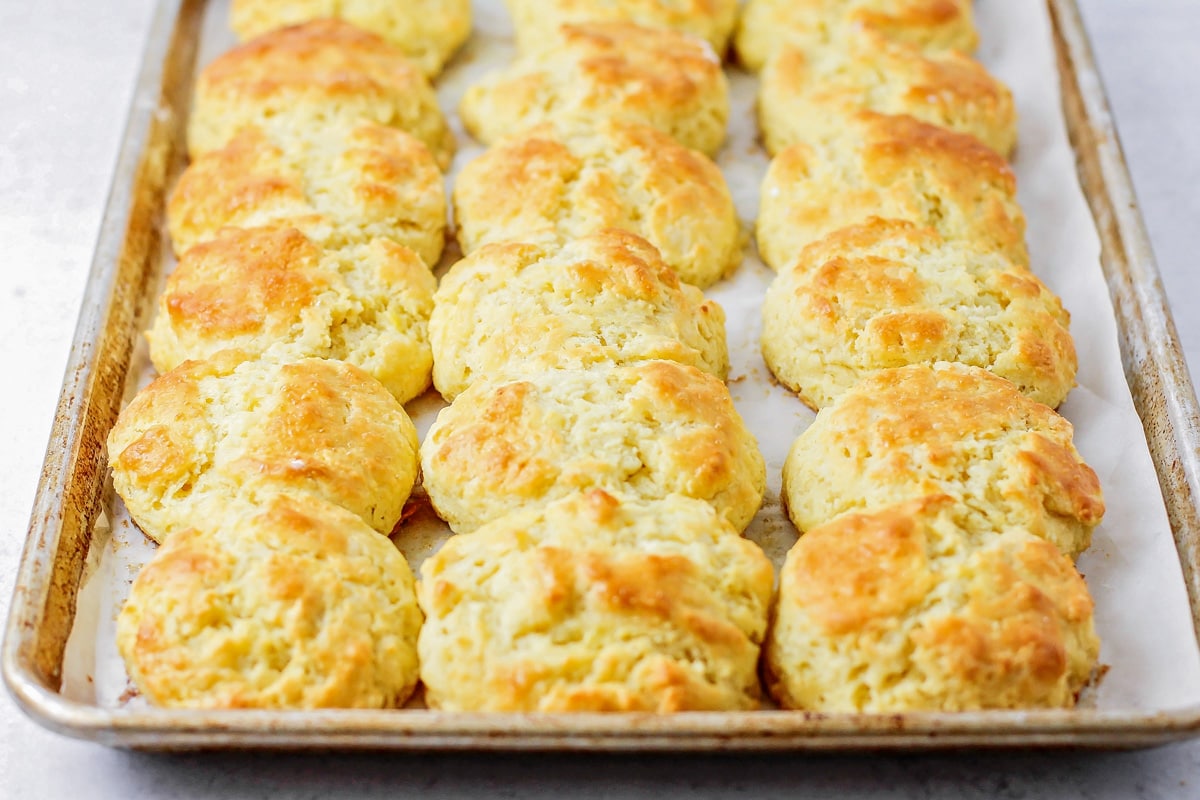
(1132, 568)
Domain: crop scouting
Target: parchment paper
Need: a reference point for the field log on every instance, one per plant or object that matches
(1132, 568)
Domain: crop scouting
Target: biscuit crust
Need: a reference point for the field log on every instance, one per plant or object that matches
(596, 603)
(537, 21)
(512, 309)
(294, 604)
(600, 71)
(570, 182)
(311, 79)
(273, 292)
(904, 610)
(905, 433)
(648, 429)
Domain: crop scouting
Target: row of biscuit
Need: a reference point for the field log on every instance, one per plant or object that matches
(592, 461)
(272, 457)
(939, 497)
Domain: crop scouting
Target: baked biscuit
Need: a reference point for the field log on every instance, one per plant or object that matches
(904, 610)
(807, 97)
(271, 291)
(291, 604)
(600, 71)
(573, 182)
(428, 32)
(888, 294)
(309, 79)
(512, 309)
(766, 26)
(905, 433)
(897, 168)
(596, 603)
(340, 188)
(649, 429)
(227, 428)
(538, 21)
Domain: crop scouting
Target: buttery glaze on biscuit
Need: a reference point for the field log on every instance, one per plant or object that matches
(572, 181)
(229, 428)
(273, 292)
(905, 609)
(766, 26)
(599, 602)
(893, 167)
(608, 298)
(902, 434)
(311, 79)
(809, 96)
(649, 430)
(537, 21)
(600, 71)
(287, 604)
(428, 32)
(339, 189)
(889, 294)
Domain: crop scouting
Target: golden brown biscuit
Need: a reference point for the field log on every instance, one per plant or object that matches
(648, 429)
(538, 21)
(766, 26)
(569, 183)
(896, 168)
(905, 433)
(903, 609)
(271, 291)
(429, 32)
(808, 97)
(601, 71)
(888, 294)
(227, 428)
(340, 188)
(596, 603)
(293, 603)
(308, 80)
(512, 309)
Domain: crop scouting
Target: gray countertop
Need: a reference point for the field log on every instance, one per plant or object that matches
(66, 75)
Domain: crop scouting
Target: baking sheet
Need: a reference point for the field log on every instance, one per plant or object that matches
(1141, 606)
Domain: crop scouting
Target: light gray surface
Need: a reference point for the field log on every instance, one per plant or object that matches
(66, 73)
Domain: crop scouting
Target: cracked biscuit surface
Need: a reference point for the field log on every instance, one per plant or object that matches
(889, 294)
(903, 609)
(599, 602)
(648, 430)
(537, 21)
(229, 429)
(291, 604)
(511, 309)
(901, 434)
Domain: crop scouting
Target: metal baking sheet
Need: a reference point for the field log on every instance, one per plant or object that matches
(68, 534)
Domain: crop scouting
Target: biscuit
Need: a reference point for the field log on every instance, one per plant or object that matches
(511, 309)
(600, 71)
(905, 433)
(807, 97)
(903, 610)
(292, 604)
(227, 428)
(339, 189)
(271, 291)
(896, 168)
(889, 294)
(766, 26)
(537, 21)
(648, 429)
(596, 603)
(428, 32)
(609, 175)
(308, 80)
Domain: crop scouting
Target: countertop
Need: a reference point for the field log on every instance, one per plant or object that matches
(66, 74)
